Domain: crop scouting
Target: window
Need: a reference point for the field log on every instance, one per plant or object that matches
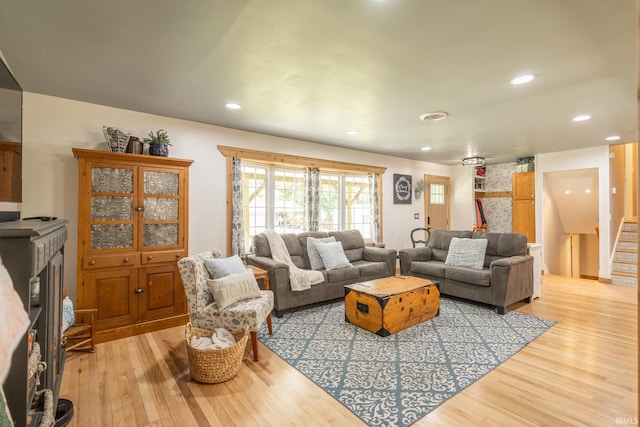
(436, 194)
(274, 198)
(273, 190)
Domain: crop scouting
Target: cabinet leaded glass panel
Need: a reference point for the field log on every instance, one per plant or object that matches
(160, 234)
(111, 236)
(112, 180)
(161, 183)
(109, 208)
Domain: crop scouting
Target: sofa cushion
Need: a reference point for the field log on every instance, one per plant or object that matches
(429, 268)
(233, 288)
(502, 245)
(466, 253)
(315, 260)
(221, 267)
(333, 256)
(369, 268)
(352, 243)
(469, 276)
(439, 242)
(342, 274)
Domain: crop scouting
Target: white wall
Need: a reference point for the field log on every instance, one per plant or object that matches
(595, 157)
(463, 213)
(53, 126)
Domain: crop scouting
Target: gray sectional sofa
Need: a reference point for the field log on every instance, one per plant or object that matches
(505, 275)
(368, 263)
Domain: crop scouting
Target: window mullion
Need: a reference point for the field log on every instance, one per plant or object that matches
(270, 199)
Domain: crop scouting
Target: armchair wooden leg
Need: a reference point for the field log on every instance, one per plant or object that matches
(254, 345)
(269, 324)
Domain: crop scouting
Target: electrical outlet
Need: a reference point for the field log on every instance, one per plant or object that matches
(416, 216)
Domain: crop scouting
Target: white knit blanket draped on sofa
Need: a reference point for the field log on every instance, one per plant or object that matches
(299, 279)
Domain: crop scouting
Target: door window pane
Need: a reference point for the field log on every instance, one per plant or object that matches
(436, 192)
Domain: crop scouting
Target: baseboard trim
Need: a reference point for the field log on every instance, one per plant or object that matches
(604, 280)
(585, 276)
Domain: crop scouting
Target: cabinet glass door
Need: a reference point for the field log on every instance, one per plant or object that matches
(161, 213)
(112, 197)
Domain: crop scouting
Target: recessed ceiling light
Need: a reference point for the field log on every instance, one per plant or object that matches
(233, 106)
(587, 191)
(581, 118)
(613, 138)
(520, 80)
(426, 148)
(567, 192)
(352, 132)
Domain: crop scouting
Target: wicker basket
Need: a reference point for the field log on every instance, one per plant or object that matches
(215, 365)
(117, 139)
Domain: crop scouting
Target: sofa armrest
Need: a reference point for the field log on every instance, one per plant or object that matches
(407, 256)
(512, 278)
(265, 263)
(381, 255)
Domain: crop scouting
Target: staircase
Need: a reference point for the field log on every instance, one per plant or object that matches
(625, 259)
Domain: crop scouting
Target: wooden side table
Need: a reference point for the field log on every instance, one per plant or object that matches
(260, 274)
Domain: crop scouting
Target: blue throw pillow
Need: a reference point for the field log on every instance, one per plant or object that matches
(221, 267)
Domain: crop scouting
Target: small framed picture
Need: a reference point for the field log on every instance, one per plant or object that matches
(401, 189)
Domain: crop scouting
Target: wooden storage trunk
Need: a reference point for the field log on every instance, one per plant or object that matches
(386, 306)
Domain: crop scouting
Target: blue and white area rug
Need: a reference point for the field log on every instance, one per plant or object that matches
(396, 380)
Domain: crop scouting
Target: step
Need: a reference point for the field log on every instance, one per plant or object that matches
(630, 226)
(629, 235)
(624, 280)
(625, 267)
(622, 255)
(630, 245)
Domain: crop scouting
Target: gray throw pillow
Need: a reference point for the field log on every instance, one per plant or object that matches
(466, 253)
(221, 267)
(315, 260)
(333, 255)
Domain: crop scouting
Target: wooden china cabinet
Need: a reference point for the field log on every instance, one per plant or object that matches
(132, 230)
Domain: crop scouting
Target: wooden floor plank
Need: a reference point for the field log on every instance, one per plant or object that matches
(581, 372)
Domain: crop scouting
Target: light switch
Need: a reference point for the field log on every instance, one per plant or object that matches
(416, 216)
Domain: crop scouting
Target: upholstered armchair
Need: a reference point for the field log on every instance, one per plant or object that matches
(204, 311)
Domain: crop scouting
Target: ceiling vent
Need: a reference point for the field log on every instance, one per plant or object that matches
(434, 116)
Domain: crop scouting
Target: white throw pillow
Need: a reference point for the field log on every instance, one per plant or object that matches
(315, 260)
(466, 253)
(68, 315)
(220, 267)
(233, 288)
(332, 255)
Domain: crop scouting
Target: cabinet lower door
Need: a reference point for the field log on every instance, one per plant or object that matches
(161, 293)
(112, 292)
(524, 219)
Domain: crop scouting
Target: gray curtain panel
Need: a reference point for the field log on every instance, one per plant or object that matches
(375, 207)
(312, 199)
(237, 223)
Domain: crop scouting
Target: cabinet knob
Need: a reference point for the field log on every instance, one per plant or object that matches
(139, 208)
(125, 260)
(177, 255)
(139, 290)
(149, 258)
(93, 262)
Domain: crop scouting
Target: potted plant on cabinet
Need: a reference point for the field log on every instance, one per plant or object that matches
(158, 143)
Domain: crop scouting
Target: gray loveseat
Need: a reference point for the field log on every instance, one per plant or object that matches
(368, 263)
(506, 276)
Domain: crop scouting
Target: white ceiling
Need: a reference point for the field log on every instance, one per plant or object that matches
(313, 70)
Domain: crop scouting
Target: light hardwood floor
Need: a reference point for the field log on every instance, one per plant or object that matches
(581, 372)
